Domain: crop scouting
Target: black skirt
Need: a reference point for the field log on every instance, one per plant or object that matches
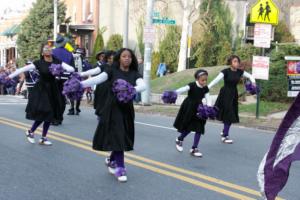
(187, 120)
(115, 130)
(227, 102)
(44, 102)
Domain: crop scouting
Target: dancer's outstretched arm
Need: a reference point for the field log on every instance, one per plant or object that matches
(22, 70)
(140, 85)
(248, 75)
(182, 89)
(95, 80)
(208, 99)
(91, 72)
(216, 80)
(67, 67)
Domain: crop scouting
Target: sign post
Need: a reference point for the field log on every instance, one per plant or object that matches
(264, 13)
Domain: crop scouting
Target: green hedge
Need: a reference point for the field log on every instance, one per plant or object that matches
(275, 89)
(115, 42)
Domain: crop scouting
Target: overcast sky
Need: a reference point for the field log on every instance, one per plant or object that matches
(15, 4)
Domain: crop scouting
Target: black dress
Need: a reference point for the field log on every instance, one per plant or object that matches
(186, 119)
(227, 101)
(100, 93)
(44, 101)
(115, 130)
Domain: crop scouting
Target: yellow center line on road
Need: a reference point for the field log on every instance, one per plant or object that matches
(56, 135)
(145, 166)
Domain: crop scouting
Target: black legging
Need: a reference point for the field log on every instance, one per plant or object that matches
(77, 104)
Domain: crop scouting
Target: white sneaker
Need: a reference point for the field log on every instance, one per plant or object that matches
(111, 165)
(107, 161)
(195, 152)
(30, 137)
(122, 179)
(226, 140)
(45, 141)
(179, 144)
(120, 174)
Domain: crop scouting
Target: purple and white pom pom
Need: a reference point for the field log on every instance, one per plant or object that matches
(56, 69)
(123, 90)
(204, 112)
(169, 97)
(252, 89)
(73, 88)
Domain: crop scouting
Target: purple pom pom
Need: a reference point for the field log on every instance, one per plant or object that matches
(212, 112)
(123, 90)
(7, 82)
(10, 83)
(169, 97)
(56, 69)
(3, 75)
(204, 112)
(252, 89)
(73, 88)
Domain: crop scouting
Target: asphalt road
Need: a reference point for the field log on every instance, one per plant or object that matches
(70, 169)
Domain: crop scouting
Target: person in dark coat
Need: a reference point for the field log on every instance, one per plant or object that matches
(101, 89)
(115, 131)
(44, 101)
(62, 54)
(186, 120)
(227, 101)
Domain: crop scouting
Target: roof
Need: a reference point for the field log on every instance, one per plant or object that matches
(11, 31)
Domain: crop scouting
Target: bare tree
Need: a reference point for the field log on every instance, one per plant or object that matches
(190, 9)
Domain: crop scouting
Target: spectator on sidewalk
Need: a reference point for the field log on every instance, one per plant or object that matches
(63, 55)
(138, 96)
(161, 69)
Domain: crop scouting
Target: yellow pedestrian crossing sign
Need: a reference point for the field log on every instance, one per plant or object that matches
(264, 11)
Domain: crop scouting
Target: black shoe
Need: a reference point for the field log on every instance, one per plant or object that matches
(71, 112)
(55, 123)
(77, 111)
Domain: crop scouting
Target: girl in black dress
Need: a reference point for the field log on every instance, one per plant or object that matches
(227, 101)
(186, 120)
(44, 100)
(115, 130)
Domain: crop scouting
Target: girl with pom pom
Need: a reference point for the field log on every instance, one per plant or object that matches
(115, 131)
(44, 100)
(227, 101)
(187, 120)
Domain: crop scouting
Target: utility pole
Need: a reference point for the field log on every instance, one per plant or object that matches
(55, 20)
(147, 57)
(245, 23)
(125, 31)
